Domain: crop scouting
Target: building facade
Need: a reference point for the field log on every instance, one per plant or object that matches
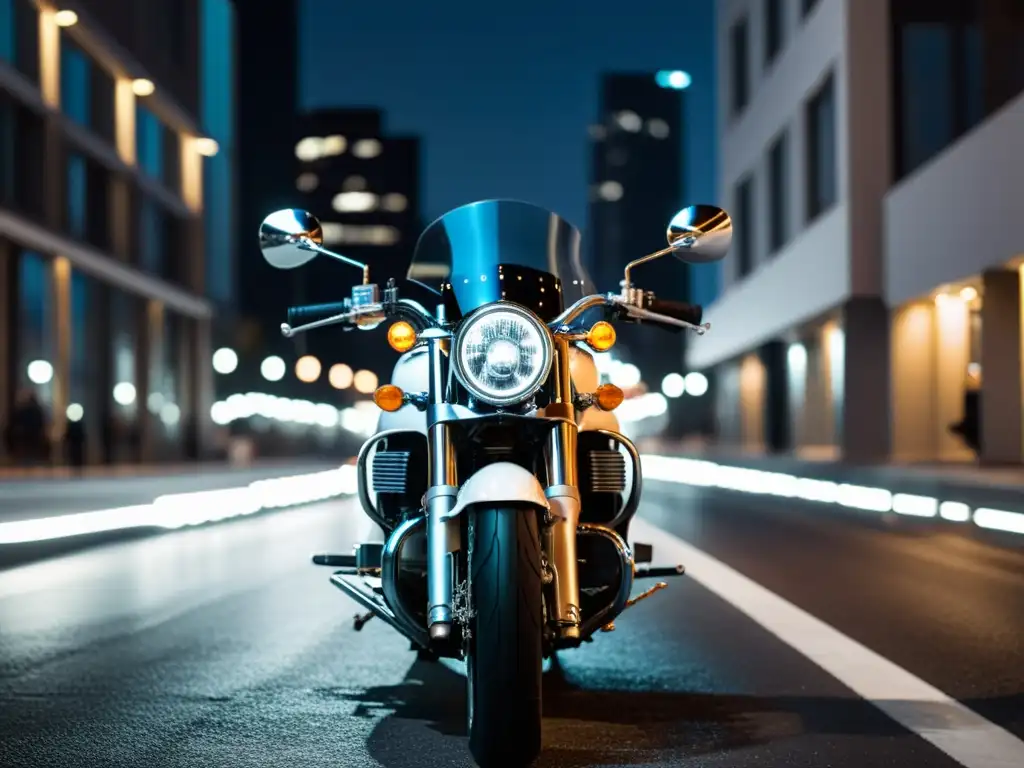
(871, 156)
(636, 187)
(115, 148)
(364, 186)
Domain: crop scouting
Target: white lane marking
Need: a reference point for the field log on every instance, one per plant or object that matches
(962, 734)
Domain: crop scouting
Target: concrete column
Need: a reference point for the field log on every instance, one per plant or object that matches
(864, 405)
(1001, 381)
(752, 399)
(202, 375)
(913, 400)
(148, 369)
(61, 315)
(778, 436)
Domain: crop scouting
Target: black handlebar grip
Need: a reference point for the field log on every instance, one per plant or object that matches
(679, 310)
(313, 312)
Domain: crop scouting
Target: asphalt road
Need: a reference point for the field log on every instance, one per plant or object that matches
(221, 646)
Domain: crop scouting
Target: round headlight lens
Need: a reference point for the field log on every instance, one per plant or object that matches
(502, 355)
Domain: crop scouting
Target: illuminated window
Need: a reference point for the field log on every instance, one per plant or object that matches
(309, 149)
(367, 148)
(629, 121)
(307, 182)
(353, 184)
(333, 145)
(395, 202)
(658, 128)
(610, 191)
(354, 202)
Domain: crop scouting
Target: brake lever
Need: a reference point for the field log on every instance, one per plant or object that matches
(288, 331)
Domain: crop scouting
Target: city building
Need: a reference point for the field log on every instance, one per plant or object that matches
(116, 183)
(364, 186)
(267, 88)
(637, 185)
(871, 156)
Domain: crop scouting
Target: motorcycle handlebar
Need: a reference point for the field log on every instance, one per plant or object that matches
(679, 310)
(313, 312)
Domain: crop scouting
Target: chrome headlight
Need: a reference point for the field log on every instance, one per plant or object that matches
(502, 355)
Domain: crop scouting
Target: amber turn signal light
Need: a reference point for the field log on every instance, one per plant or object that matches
(601, 336)
(401, 336)
(609, 397)
(389, 398)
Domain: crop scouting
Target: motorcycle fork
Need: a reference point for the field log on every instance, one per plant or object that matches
(564, 499)
(442, 489)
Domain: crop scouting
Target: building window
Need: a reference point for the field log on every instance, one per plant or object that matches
(806, 6)
(149, 142)
(778, 192)
(85, 309)
(19, 36)
(774, 29)
(121, 436)
(152, 237)
(219, 232)
(951, 69)
(21, 149)
(740, 63)
(35, 324)
(75, 79)
(78, 196)
(745, 224)
(822, 185)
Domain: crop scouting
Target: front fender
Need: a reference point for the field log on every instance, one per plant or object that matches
(500, 483)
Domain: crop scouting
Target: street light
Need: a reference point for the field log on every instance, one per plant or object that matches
(207, 147)
(272, 368)
(673, 385)
(340, 376)
(365, 381)
(225, 360)
(675, 79)
(65, 18)
(40, 372)
(143, 87)
(696, 383)
(307, 369)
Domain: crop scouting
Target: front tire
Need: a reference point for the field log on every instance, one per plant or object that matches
(505, 664)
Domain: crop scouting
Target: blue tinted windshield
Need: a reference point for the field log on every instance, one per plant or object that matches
(502, 249)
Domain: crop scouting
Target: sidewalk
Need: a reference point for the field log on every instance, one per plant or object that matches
(978, 486)
(29, 495)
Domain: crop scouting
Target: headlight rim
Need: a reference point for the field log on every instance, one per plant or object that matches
(547, 345)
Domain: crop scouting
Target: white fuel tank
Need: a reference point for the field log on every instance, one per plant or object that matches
(411, 374)
(584, 374)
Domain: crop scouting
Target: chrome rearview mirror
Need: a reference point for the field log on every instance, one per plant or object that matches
(700, 234)
(290, 238)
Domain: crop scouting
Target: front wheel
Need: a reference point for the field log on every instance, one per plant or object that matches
(505, 664)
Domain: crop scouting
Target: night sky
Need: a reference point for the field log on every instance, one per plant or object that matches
(502, 94)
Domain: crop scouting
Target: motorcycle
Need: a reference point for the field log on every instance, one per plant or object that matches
(499, 480)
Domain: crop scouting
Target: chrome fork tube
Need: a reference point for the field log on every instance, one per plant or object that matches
(563, 495)
(442, 489)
